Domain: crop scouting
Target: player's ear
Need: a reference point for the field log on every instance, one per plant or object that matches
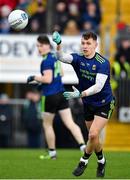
(96, 44)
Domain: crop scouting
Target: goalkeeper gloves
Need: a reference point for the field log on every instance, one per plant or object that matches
(69, 95)
(56, 37)
(30, 79)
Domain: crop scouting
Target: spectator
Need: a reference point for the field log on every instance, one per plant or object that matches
(33, 6)
(77, 3)
(124, 50)
(92, 15)
(32, 120)
(11, 3)
(71, 28)
(6, 117)
(4, 25)
(34, 25)
(87, 26)
(23, 4)
(74, 12)
(61, 16)
(120, 70)
(40, 16)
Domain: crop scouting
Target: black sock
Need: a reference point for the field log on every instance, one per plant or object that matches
(51, 149)
(86, 155)
(99, 155)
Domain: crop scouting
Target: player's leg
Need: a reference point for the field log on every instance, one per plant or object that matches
(103, 113)
(48, 113)
(89, 117)
(95, 145)
(67, 119)
(49, 133)
(93, 137)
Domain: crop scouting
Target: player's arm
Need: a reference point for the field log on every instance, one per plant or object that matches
(46, 78)
(64, 57)
(97, 87)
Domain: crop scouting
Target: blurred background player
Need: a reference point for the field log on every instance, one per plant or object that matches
(93, 72)
(52, 97)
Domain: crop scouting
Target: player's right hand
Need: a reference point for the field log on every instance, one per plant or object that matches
(56, 37)
(73, 94)
(30, 79)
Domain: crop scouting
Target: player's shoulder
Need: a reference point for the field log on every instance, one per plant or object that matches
(100, 59)
(52, 55)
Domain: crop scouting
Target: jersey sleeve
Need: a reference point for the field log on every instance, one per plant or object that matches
(75, 58)
(48, 64)
(104, 68)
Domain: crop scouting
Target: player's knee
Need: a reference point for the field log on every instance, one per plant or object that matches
(46, 124)
(93, 134)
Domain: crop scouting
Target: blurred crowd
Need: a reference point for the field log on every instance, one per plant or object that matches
(121, 63)
(70, 17)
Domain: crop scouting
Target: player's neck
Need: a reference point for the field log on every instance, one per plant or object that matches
(90, 56)
(45, 54)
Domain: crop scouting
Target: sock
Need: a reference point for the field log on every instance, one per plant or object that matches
(100, 157)
(52, 152)
(86, 156)
(82, 147)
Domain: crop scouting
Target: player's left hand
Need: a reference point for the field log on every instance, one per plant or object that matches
(74, 94)
(30, 79)
(56, 37)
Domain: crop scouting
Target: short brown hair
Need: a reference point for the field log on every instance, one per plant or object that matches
(89, 34)
(43, 39)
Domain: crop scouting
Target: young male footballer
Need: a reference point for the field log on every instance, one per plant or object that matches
(53, 100)
(93, 71)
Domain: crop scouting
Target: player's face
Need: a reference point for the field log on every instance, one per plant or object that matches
(88, 47)
(43, 49)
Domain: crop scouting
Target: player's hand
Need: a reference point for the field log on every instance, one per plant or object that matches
(74, 94)
(56, 37)
(30, 79)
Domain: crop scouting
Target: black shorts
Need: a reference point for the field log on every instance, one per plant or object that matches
(54, 103)
(104, 111)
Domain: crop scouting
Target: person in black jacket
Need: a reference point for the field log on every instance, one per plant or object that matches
(32, 120)
(6, 117)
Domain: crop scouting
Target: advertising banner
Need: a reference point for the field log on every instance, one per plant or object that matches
(19, 57)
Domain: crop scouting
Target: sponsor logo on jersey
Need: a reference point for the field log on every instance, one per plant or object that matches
(82, 64)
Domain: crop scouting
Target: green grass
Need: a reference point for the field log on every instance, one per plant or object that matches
(22, 163)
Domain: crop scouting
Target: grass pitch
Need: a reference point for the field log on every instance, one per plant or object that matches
(25, 164)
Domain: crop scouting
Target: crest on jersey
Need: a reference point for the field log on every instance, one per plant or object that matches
(94, 67)
(82, 64)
